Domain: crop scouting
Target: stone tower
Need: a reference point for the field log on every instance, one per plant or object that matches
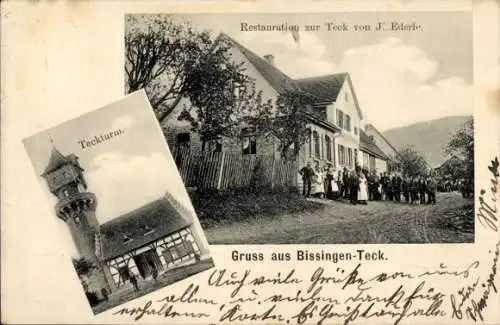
(76, 207)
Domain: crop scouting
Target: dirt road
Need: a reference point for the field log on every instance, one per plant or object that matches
(342, 223)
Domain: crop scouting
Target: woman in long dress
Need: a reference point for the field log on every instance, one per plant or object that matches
(319, 188)
(363, 189)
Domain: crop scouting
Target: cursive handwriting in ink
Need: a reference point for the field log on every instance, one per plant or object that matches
(478, 307)
(189, 296)
(218, 278)
(236, 313)
(166, 311)
(442, 270)
(487, 215)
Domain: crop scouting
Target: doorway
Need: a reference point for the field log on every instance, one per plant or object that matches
(146, 262)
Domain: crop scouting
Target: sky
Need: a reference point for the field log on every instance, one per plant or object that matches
(399, 77)
(125, 172)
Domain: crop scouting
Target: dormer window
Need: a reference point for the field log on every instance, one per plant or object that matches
(148, 230)
(126, 239)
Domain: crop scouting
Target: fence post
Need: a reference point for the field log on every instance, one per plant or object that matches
(273, 173)
(220, 171)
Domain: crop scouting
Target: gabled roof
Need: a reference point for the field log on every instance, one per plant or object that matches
(323, 89)
(276, 78)
(142, 226)
(327, 88)
(452, 159)
(365, 144)
(381, 135)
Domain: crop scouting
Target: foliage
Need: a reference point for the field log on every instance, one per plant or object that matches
(290, 121)
(461, 144)
(83, 266)
(453, 168)
(411, 162)
(225, 112)
(172, 60)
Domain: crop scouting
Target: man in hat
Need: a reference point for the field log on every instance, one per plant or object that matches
(307, 175)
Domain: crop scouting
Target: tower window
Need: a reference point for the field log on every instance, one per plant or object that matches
(66, 193)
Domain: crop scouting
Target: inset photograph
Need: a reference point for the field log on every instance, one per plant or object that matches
(120, 202)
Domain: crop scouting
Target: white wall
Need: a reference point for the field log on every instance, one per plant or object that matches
(380, 165)
(380, 142)
(345, 102)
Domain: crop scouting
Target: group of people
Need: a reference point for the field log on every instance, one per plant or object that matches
(352, 185)
(361, 186)
(464, 186)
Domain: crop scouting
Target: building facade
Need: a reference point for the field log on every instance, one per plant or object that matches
(387, 148)
(151, 239)
(336, 119)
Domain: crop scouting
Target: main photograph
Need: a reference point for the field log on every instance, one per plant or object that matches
(323, 128)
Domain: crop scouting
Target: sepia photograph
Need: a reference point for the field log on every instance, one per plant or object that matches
(279, 130)
(119, 201)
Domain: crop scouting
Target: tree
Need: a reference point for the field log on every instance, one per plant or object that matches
(83, 266)
(461, 144)
(290, 121)
(227, 111)
(411, 162)
(172, 60)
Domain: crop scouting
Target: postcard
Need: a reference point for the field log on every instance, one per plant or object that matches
(341, 158)
(111, 180)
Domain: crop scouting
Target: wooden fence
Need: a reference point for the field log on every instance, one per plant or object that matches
(230, 171)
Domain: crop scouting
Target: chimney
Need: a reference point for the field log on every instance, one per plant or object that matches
(269, 58)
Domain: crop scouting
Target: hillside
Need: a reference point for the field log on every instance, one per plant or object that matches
(429, 138)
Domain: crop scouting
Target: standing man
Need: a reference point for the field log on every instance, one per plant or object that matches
(354, 187)
(431, 191)
(422, 189)
(307, 174)
(345, 182)
(133, 280)
(406, 188)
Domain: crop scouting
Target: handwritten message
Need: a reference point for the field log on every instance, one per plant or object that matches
(331, 293)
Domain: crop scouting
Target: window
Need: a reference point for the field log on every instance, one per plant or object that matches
(239, 90)
(356, 130)
(328, 148)
(148, 230)
(249, 145)
(372, 163)
(124, 273)
(341, 154)
(356, 156)
(126, 239)
(349, 157)
(183, 138)
(249, 141)
(316, 144)
(213, 145)
(340, 118)
(347, 125)
(309, 141)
